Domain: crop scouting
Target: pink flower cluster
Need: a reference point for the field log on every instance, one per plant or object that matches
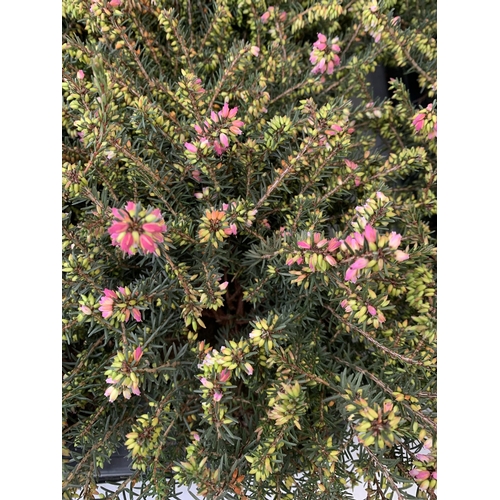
(371, 310)
(317, 242)
(213, 133)
(98, 4)
(356, 242)
(119, 304)
(135, 228)
(425, 120)
(425, 472)
(273, 13)
(325, 55)
(126, 381)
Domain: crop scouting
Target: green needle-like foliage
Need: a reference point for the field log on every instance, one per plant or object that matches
(249, 262)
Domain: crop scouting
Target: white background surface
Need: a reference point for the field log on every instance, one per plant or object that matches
(358, 493)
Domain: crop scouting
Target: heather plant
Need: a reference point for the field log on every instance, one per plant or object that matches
(249, 260)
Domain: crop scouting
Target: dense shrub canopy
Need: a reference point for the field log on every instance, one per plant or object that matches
(248, 248)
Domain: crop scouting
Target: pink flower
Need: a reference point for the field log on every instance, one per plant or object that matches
(320, 67)
(420, 474)
(345, 305)
(304, 245)
(218, 148)
(115, 3)
(335, 129)
(418, 121)
(359, 238)
(232, 229)
(224, 285)
(370, 234)
(85, 310)
(112, 393)
(248, 368)
(351, 275)
(265, 17)
(113, 302)
(224, 375)
(217, 396)
(394, 240)
(354, 242)
(330, 260)
(254, 50)
(206, 383)
(360, 263)
(372, 310)
(80, 75)
(223, 113)
(224, 140)
(401, 256)
(135, 228)
(320, 43)
(190, 147)
(107, 303)
(138, 353)
(333, 244)
(434, 132)
(388, 406)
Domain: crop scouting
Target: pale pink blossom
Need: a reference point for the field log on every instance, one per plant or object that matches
(80, 75)
(86, 310)
(330, 260)
(224, 140)
(217, 396)
(372, 310)
(115, 3)
(232, 229)
(248, 368)
(420, 474)
(254, 50)
(206, 383)
(304, 245)
(394, 240)
(224, 285)
(345, 305)
(401, 256)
